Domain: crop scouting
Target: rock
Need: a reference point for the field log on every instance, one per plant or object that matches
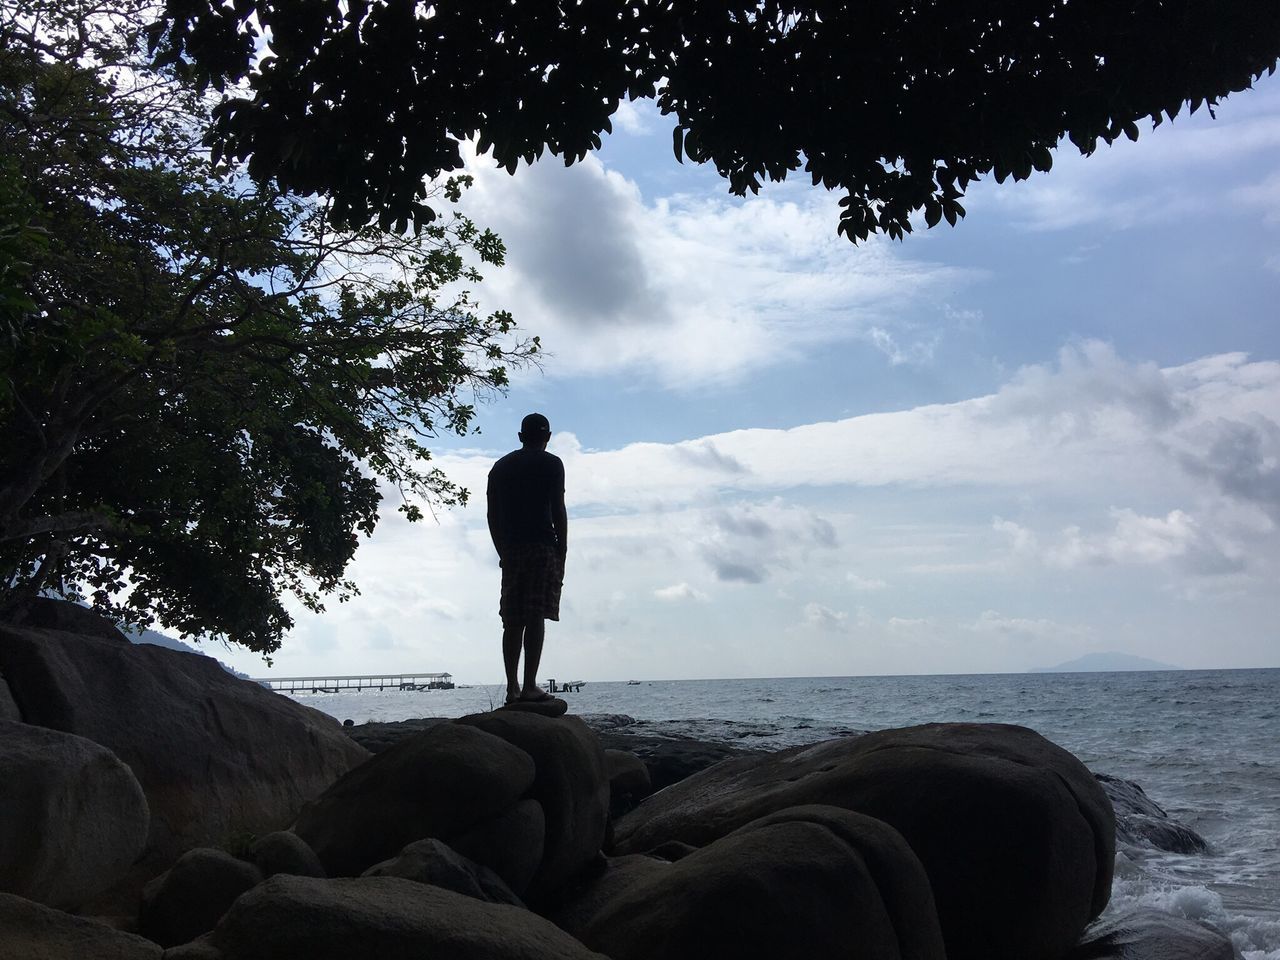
(189, 898)
(1016, 836)
(216, 755)
(30, 931)
(438, 783)
(285, 852)
(555, 707)
(8, 706)
(72, 816)
(670, 760)
(376, 917)
(672, 850)
(583, 900)
(376, 736)
(46, 613)
(1151, 935)
(510, 844)
(570, 785)
(434, 862)
(1142, 822)
(629, 781)
(803, 883)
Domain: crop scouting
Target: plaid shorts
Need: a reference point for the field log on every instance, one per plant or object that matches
(532, 575)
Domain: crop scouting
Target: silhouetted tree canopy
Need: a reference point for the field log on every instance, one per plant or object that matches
(203, 384)
(901, 104)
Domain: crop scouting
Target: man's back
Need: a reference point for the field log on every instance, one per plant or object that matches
(523, 488)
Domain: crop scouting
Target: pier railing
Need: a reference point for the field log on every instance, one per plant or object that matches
(373, 681)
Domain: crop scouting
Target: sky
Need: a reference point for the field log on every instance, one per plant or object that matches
(1051, 430)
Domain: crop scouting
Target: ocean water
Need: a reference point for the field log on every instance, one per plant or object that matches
(1205, 745)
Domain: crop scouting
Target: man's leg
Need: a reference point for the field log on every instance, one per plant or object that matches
(534, 633)
(511, 640)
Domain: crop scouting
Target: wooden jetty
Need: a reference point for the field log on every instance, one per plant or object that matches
(374, 681)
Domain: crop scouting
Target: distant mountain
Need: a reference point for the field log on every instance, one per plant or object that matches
(1107, 662)
(160, 640)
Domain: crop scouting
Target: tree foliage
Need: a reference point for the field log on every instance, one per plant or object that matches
(900, 104)
(203, 384)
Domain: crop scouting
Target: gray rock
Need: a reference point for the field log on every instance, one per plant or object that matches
(377, 736)
(803, 883)
(1151, 935)
(438, 783)
(72, 815)
(555, 707)
(285, 852)
(629, 781)
(31, 931)
(570, 785)
(1143, 822)
(584, 900)
(376, 917)
(189, 898)
(510, 844)
(1017, 837)
(215, 755)
(431, 861)
(46, 613)
(669, 759)
(8, 706)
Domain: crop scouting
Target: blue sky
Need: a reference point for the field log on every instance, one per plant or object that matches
(1051, 430)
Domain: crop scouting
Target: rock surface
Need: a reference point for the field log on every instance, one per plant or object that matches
(438, 783)
(1151, 935)
(554, 707)
(1016, 836)
(285, 852)
(629, 781)
(803, 883)
(30, 931)
(1143, 822)
(569, 784)
(72, 816)
(215, 755)
(376, 917)
(509, 844)
(46, 613)
(191, 896)
(8, 706)
(670, 760)
(378, 736)
(431, 861)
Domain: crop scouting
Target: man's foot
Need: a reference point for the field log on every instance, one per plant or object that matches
(513, 694)
(536, 696)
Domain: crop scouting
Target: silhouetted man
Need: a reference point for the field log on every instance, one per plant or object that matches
(530, 531)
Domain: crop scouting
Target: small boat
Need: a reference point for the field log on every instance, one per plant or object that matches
(633, 683)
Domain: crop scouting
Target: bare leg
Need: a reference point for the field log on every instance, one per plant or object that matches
(511, 639)
(534, 633)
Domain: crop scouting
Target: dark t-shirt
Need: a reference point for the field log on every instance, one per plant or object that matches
(523, 486)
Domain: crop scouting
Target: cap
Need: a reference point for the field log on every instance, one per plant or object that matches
(535, 425)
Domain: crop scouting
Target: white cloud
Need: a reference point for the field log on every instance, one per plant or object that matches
(824, 618)
(636, 117)
(865, 584)
(688, 290)
(679, 591)
(993, 622)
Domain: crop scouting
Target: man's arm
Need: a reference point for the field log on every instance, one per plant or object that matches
(560, 517)
(497, 524)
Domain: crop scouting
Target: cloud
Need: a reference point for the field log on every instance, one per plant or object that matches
(865, 584)
(680, 591)
(636, 117)
(1242, 459)
(689, 291)
(824, 618)
(1022, 628)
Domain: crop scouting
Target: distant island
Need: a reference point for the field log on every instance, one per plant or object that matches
(1109, 661)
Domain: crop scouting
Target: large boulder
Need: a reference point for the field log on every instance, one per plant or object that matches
(1143, 822)
(434, 862)
(1151, 935)
(217, 756)
(672, 759)
(30, 931)
(72, 815)
(376, 918)
(192, 895)
(439, 783)
(570, 784)
(46, 613)
(8, 706)
(1017, 837)
(629, 781)
(509, 844)
(809, 882)
(285, 852)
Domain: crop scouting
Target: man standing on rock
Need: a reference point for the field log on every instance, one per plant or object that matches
(530, 531)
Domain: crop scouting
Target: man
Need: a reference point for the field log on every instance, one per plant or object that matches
(530, 531)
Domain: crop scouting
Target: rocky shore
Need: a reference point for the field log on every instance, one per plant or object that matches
(157, 807)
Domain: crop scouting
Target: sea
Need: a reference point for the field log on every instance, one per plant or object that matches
(1204, 745)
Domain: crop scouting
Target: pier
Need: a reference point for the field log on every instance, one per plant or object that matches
(572, 686)
(375, 681)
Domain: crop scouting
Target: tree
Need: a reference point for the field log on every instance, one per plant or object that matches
(901, 104)
(204, 384)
